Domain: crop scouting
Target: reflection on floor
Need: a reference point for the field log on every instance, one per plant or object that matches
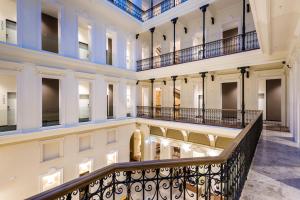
(275, 171)
(8, 128)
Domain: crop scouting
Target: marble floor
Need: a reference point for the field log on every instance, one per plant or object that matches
(275, 170)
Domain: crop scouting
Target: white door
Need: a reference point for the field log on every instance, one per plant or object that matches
(11, 108)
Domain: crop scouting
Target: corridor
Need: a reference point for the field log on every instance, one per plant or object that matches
(275, 170)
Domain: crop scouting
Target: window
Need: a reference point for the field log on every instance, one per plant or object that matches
(112, 158)
(85, 167)
(50, 27)
(50, 101)
(84, 39)
(52, 179)
(8, 21)
(8, 102)
(111, 137)
(84, 101)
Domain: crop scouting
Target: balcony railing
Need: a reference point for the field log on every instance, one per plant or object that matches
(210, 178)
(213, 49)
(142, 15)
(214, 117)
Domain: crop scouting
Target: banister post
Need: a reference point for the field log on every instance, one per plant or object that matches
(152, 102)
(174, 94)
(244, 27)
(174, 21)
(203, 8)
(203, 75)
(243, 71)
(151, 47)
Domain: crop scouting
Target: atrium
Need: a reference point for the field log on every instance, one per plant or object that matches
(149, 99)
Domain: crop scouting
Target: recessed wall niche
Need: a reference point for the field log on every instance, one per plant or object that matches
(50, 102)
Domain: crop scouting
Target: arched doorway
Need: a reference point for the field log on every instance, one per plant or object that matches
(136, 147)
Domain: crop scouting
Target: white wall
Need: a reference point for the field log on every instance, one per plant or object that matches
(14, 177)
(226, 18)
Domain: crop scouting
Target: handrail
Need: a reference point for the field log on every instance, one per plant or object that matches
(221, 47)
(144, 15)
(84, 181)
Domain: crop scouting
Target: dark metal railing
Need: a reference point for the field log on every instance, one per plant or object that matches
(221, 177)
(213, 49)
(216, 117)
(129, 7)
(161, 8)
(142, 15)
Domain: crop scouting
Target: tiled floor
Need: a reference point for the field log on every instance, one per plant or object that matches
(275, 171)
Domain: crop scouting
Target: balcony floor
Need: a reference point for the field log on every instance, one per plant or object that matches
(275, 171)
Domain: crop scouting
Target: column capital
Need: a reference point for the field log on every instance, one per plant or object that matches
(174, 20)
(203, 74)
(152, 80)
(174, 78)
(203, 8)
(152, 29)
(243, 70)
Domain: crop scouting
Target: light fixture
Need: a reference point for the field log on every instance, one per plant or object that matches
(165, 142)
(137, 36)
(247, 74)
(165, 37)
(85, 166)
(212, 20)
(185, 80)
(185, 30)
(165, 82)
(51, 179)
(212, 77)
(186, 147)
(137, 82)
(248, 8)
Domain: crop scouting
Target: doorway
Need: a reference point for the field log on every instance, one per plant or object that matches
(230, 42)
(110, 101)
(11, 108)
(229, 100)
(136, 147)
(273, 100)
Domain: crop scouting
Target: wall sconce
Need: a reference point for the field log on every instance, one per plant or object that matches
(165, 142)
(165, 82)
(248, 8)
(247, 74)
(137, 36)
(137, 82)
(186, 147)
(51, 179)
(185, 80)
(165, 37)
(85, 167)
(185, 30)
(212, 77)
(212, 20)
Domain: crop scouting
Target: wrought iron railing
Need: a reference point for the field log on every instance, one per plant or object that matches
(129, 7)
(211, 178)
(142, 15)
(227, 46)
(216, 117)
(161, 8)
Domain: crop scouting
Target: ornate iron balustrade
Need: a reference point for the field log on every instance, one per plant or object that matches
(161, 8)
(129, 7)
(215, 117)
(142, 15)
(211, 178)
(213, 49)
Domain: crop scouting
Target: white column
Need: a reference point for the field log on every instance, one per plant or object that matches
(133, 100)
(69, 33)
(29, 99)
(69, 99)
(98, 99)
(29, 24)
(120, 99)
(98, 43)
(122, 46)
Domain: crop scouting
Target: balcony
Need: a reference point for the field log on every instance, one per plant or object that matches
(226, 46)
(211, 178)
(142, 15)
